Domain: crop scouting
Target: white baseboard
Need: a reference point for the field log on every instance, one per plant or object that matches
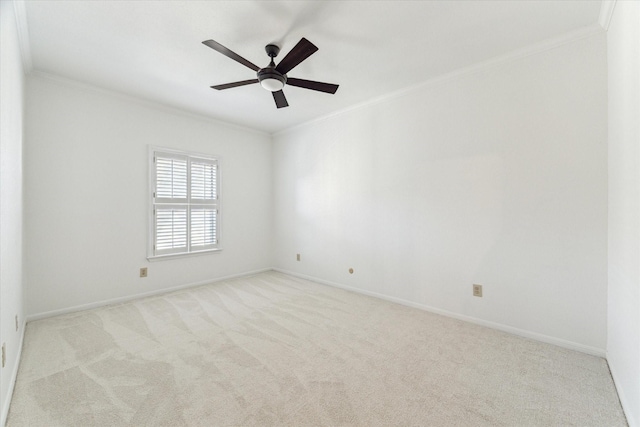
(624, 401)
(127, 298)
(493, 325)
(594, 351)
(14, 376)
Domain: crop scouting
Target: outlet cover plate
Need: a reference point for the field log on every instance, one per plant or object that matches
(477, 290)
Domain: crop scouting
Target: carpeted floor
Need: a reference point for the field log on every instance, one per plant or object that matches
(277, 350)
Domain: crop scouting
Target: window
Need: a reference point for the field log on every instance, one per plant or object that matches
(185, 207)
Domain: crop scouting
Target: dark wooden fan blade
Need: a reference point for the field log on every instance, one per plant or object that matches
(299, 53)
(226, 52)
(310, 84)
(280, 99)
(234, 84)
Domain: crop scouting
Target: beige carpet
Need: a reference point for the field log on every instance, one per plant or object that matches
(277, 350)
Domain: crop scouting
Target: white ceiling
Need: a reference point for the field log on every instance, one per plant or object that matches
(153, 49)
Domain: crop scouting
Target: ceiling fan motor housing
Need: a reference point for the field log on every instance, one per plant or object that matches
(271, 79)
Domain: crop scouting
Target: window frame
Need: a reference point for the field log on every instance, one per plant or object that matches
(188, 203)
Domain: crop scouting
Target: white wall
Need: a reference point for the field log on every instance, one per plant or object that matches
(623, 344)
(86, 209)
(496, 177)
(11, 283)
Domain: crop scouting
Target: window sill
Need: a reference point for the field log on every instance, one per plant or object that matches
(182, 255)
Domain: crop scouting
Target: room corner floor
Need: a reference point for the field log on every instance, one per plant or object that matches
(277, 350)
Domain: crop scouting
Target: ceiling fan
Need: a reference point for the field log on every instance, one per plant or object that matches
(273, 77)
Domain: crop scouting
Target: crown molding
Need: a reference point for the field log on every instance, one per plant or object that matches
(606, 12)
(515, 55)
(23, 34)
(148, 103)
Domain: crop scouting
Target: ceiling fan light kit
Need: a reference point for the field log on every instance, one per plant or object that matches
(274, 77)
(271, 82)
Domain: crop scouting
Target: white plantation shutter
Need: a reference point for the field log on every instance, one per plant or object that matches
(204, 179)
(171, 229)
(185, 203)
(171, 178)
(203, 227)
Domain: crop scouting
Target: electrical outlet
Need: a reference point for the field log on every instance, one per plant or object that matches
(297, 257)
(4, 354)
(477, 290)
(16, 323)
(143, 272)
